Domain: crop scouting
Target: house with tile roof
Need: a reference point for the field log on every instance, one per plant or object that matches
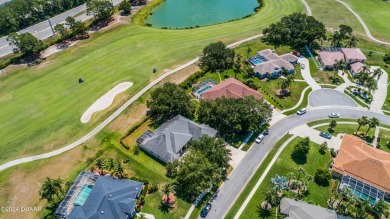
(104, 197)
(230, 88)
(267, 63)
(352, 55)
(356, 68)
(169, 141)
(363, 169)
(301, 210)
(329, 56)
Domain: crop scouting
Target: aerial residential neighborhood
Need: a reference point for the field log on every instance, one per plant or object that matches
(118, 109)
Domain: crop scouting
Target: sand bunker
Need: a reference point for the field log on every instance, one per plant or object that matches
(104, 101)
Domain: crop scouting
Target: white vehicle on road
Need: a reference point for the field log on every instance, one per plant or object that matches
(334, 115)
(303, 66)
(301, 111)
(259, 138)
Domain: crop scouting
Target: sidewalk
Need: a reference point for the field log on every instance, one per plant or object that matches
(306, 74)
(379, 94)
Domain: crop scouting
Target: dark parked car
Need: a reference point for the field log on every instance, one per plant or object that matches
(325, 135)
(205, 210)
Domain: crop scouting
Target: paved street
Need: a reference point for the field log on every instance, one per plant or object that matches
(329, 97)
(43, 31)
(237, 180)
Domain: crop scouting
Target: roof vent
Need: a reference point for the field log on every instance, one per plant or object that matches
(101, 212)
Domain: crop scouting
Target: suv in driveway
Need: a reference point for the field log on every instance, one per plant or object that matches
(325, 135)
(301, 111)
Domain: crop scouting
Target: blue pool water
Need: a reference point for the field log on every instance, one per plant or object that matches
(83, 195)
(204, 89)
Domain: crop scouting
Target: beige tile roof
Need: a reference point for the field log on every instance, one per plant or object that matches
(361, 161)
(353, 53)
(289, 57)
(357, 67)
(330, 58)
(230, 88)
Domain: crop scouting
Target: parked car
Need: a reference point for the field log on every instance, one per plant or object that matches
(325, 135)
(334, 115)
(296, 53)
(205, 210)
(301, 111)
(303, 66)
(259, 138)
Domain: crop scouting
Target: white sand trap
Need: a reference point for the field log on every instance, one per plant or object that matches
(104, 101)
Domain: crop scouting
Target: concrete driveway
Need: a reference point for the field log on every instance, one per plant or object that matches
(330, 97)
(314, 135)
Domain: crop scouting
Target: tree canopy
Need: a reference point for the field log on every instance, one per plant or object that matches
(232, 116)
(343, 37)
(19, 14)
(78, 28)
(295, 30)
(100, 9)
(301, 150)
(214, 149)
(125, 6)
(322, 176)
(26, 43)
(168, 101)
(216, 56)
(386, 58)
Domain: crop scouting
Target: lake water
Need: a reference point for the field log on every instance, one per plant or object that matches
(191, 13)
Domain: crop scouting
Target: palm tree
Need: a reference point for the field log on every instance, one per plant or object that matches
(362, 122)
(57, 185)
(301, 171)
(351, 42)
(237, 64)
(47, 190)
(166, 190)
(335, 39)
(363, 210)
(348, 197)
(377, 73)
(119, 170)
(339, 64)
(371, 84)
(372, 123)
(100, 163)
(110, 164)
(290, 175)
(89, 161)
(380, 207)
(248, 50)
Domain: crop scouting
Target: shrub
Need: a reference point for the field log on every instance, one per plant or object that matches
(322, 177)
(333, 152)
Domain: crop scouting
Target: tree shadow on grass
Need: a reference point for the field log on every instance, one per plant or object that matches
(164, 208)
(299, 159)
(264, 213)
(331, 131)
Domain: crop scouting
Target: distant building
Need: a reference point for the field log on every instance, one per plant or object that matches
(100, 197)
(230, 88)
(169, 141)
(363, 169)
(302, 210)
(266, 63)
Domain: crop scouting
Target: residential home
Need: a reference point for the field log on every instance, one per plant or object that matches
(170, 141)
(268, 64)
(230, 88)
(100, 197)
(356, 68)
(363, 169)
(352, 55)
(327, 59)
(301, 210)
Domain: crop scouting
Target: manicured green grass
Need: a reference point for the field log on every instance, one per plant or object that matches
(317, 122)
(41, 106)
(384, 136)
(377, 22)
(252, 182)
(355, 98)
(303, 104)
(282, 166)
(386, 105)
(348, 129)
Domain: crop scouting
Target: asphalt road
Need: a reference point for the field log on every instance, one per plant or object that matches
(232, 187)
(43, 31)
(330, 97)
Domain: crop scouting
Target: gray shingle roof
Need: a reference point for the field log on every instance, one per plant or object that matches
(109, 199)
(173, 135)
(302, 210)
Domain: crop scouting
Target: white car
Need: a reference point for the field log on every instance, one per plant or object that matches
(334, 115)
(259, 138)
(303, 66)
(301, 111)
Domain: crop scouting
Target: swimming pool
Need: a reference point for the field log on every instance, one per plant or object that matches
(83, 195)
(204, 89)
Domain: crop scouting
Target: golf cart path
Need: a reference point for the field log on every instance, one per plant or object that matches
(362, 23)
(104, 101)
(112, 116)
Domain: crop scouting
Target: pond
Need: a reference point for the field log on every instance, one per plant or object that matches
(192, 13)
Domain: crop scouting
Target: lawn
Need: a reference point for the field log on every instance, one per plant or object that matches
(282, 166)
(348, 129)
(317, 122)
(303, 103)
(323, 77)
(42, 105)
(384, 136)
